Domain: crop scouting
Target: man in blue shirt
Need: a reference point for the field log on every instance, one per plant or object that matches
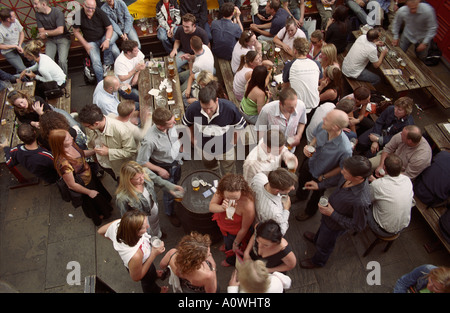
(225, 33)
(346, 210)
(214, 124)
(332, 147)
(269, 30)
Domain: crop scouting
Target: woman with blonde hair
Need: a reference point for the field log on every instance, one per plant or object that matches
(236, 226)
(191, 265)
(131, 241)
(71, 165)
(136, 191)
(203, 78)
(426, 278)
(329, 56)
(331, 85)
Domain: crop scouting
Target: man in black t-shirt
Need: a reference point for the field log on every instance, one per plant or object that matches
(96, 34)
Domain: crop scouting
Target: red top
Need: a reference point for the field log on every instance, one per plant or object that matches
(226, 225)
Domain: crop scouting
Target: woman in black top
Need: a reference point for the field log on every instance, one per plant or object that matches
(338, 29)
(28, 109)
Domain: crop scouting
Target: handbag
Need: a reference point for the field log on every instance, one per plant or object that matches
(310, 26)
(52, 90)
(68, 194)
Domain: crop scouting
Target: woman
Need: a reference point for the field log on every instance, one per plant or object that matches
(47, 69)
(246, 43)
(315, 52)
(329, 56)
(233, 191)
(131, 241)
(256, 94)
(28, 109)
(338, 29)
(268, 244)
(390, 122)
(136, 190)
(330, 86)
(71, 165)
(426, 278)
(285, 37)
(203, 78)
(192, 267)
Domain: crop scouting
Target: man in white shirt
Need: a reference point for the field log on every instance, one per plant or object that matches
(106, 95)
(287, 115)
(11, 39)
(127, 68)
(392, 197)
(363, 51)
(268, 155)
(271, 196)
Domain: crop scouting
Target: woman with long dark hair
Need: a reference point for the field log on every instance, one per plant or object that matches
(338, 29)
(256, 94)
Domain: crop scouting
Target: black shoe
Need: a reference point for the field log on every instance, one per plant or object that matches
(302, 216)
(308, 264)
(174, 220)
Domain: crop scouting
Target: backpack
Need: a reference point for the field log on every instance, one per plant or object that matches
(89, 74)
(434, 54)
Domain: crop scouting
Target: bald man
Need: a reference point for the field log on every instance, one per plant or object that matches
(106, 95)
(332, 147)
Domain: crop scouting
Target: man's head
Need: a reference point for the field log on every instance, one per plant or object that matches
(346, 105)
(393, 165)
(274, 141)
(130, 48)
(26, 133)
(282, 181)
(196, 44)
(373, 35)
(227, 9)
(362, 95)
(126, 108)
(288, 100)
(6, 15)
(412, 5)
(89, 7)
(163, 119)
(356, 167)
(91, 116)
(301, 46)
(111, 84)
(272, 6)
(208, 100)
(411, 135)
(40, 5)
(188, 22)
(335, 121)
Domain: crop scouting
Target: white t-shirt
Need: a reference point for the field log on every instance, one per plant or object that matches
(236, 56)
(204, 61)
(48, 70)
(10, 35)
(123, 65)
(304, 78)
(125, 251)
(284, 37)
(361, 53)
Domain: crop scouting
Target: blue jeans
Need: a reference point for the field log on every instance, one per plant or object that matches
(132, 35)
(96, 58)
(180, 62)
(62, 46)
(325, 241)
(404, 44)
(368, 76)
(175, 176)
(14, 58)
(134, 95)
(166, 41)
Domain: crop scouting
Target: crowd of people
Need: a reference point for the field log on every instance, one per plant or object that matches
(372, 166)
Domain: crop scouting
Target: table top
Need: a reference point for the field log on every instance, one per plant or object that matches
(198, 201)
(279, 60)
(440, 135)
(150, 79)
(411, 77)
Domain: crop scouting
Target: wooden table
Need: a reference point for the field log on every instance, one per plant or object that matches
(400, 83)
(277, 69)
(148, 81)
(439, 135)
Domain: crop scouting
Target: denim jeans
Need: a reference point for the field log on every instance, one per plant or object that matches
(325, 241)
(132, 35)
(134, 95)
(180, 61)
(404, 44)
(62, 46)
(166, 41)
(358, 10)
(96, 58)
(14, 58)
(368, 76)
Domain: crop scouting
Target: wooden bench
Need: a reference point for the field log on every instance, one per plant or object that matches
(431, 216)
(353, 83)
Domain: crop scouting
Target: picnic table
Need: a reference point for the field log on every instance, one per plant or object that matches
(409, 76)
(439, 133)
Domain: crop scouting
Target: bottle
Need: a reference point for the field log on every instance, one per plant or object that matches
(162, 74)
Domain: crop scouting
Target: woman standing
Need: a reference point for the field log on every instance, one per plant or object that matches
(338, 29)
(256, 94)
(71, 165)
(131, 241)
(136, 190)
(233, 193)
(192, 267)
(268, 244)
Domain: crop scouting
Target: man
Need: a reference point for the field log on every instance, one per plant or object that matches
(30, 155)
(272, 196)
(183, 39)
(106, 95)
(411, 147)
(202, 60)
(169, 18)
(296, 9)
(392, 198)
(51, 25)
(303, 75)
(326, 9)
(346, 210)
(363, 51)
(420, 27)
(111, 140)
(268, 30)
(214, 125)
(287, 115)
(198, 8)
(93, 29)
(224, 32)
(127, 68)
(159, 152)
(332, 147)
(11, 39)
(7, 79)
(268, 155)
(122, 23)
(129, 116)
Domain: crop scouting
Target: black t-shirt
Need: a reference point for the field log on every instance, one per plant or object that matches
(185, 39)
(94, 28)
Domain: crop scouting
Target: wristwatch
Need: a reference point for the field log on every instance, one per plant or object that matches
(323, 177)
(46, 34)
